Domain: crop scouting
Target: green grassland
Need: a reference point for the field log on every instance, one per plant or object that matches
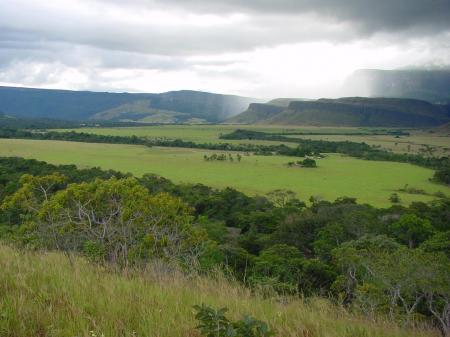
(42, 294)
(415, 143)
(336, 176)
(207, 133)
(194, 133)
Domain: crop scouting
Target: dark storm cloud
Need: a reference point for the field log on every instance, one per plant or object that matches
(168, 38)
(267, 23)
(370, 15)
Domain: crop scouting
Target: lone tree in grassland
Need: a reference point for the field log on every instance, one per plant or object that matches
(394, 198)
(308, 162)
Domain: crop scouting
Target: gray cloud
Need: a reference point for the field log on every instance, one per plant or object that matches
(43, 41)
(267, 23)
(371, 16)
(167, 38)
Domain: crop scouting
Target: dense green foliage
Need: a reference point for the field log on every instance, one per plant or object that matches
(115, 221)
(214, 323)
(347, 132)
(34, 123)
(11, 170)
(308, 162)
(12, 122)
(70, 136)
(443, 175)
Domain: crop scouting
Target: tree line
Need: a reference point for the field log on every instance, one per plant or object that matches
(306, 147)
(353, 149)
(223, 157)
(134, 140)
(394, 262)
(15, 122)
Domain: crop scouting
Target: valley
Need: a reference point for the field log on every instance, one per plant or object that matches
(419, 140)
(225, 168)
(336, 176)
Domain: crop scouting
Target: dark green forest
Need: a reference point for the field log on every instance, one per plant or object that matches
(14, 122)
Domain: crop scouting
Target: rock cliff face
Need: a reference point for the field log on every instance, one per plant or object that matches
(256, 113)
(348, 111)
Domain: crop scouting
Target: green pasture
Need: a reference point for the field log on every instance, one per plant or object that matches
(369, 181)
(195, 133)
(205, 133)
(415, 143)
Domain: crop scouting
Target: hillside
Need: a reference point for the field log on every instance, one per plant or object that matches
(7, 121)
(284, 102)
(256, 113)
(348, 111)
(42, 294)
(169, 107)
(429, 85)
(443, 129)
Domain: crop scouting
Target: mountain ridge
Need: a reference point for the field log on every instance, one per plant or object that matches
(173, 106)
(348, 111)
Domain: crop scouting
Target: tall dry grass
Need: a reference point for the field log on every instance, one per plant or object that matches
(42, 294)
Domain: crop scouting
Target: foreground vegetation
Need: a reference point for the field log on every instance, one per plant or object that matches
(371, 270)
(44, 295)
(384, 264)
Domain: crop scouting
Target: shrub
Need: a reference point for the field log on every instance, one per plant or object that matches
(394, 198)
(442, 175)
(309, 163)
(214, 323)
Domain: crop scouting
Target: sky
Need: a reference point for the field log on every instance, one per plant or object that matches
(257, 48)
